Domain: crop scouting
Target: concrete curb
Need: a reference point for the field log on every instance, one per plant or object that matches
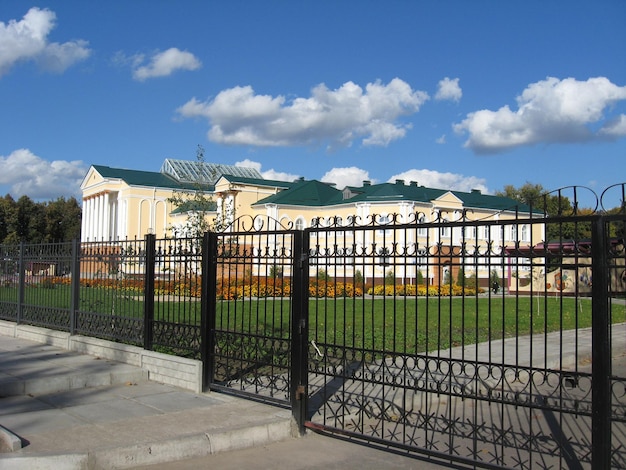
(180, 448)
(9, 442)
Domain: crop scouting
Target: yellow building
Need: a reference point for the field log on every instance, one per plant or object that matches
(121, 204)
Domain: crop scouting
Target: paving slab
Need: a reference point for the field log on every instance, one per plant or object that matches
(78, 412)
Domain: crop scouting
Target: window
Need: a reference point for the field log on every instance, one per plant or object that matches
(444, 231)
(525, 233)
(300, 224)
(422, 231)
(384, 220)
(483, 232)
(469, 233)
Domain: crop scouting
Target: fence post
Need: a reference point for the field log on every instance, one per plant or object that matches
(208, 307)
(75, 285)
(21, 284)
(601, 349)
(148, 292)
(300, 329)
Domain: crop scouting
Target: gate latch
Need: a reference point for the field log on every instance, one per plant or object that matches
(300, 391)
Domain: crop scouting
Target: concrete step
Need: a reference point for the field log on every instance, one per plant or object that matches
(42, 369)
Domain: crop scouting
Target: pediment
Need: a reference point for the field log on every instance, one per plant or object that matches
(449, 200)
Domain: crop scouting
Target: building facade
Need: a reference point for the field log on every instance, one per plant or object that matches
(120, 204)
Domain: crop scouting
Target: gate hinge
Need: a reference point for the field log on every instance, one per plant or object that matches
(300, 392)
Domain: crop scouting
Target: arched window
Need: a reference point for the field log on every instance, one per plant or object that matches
(525, 233)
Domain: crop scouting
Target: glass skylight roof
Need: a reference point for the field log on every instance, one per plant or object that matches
(194, 171)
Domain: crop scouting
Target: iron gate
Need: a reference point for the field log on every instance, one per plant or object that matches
(472, 351)
(476, 342)
(250, 323)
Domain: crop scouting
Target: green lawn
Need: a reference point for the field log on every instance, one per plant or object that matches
(403, 325)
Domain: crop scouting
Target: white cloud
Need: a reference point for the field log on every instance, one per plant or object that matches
(350, 176)
(27, 39)
(435, 179)
(614, 128)
(27, 174)
(238, 116)
(549, 111)
(449, 89)
(441, 140)
(162, 64)
(269, 174)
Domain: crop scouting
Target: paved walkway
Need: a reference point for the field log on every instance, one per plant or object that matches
(76, 411)
(63, 410)
(66, 411)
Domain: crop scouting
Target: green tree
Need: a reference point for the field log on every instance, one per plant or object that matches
(552, 205)
(276, 271)
(62, 218)
(390, 278)
(7, 208)
(472, 281)
(358, 278)
(28, 222)
(37, 222)
(535, 196)
(461, 280)
(322, 275)
(196, 201)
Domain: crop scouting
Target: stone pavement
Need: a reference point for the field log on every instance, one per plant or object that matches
(63, 410)
(66, 411)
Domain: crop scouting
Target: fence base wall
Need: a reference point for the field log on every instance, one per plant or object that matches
(164, 368)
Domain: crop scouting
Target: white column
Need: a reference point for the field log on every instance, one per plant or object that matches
(93, 222)
(106, 217)
(99, 217)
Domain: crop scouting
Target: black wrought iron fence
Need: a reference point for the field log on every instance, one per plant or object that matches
(110, 291)
(142, 292)
(496, 341)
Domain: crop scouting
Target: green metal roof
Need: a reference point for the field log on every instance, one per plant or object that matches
(306, 193)
(488, 201)
(316, 193)
(141, 178)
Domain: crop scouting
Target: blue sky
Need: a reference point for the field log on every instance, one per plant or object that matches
(452, 94)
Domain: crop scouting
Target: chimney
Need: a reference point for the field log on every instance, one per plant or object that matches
(413, 183)
(367, 183)
(400, 182)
